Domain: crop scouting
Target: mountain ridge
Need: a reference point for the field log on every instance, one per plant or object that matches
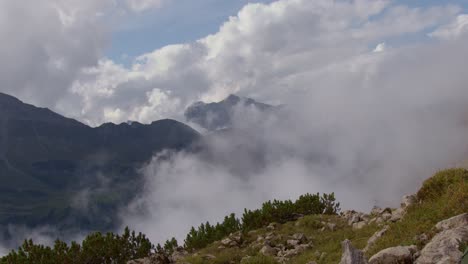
(46, 158)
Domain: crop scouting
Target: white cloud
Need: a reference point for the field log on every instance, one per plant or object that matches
(143, 5)
(380, 47)
(254, 53)
(46, 43)
(453, 30)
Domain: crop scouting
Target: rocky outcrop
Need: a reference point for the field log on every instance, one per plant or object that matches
(454, 222)
(233, 240)
(395, 255)
(272, 245)
(153, 259)
(444, 247)
(351, 255)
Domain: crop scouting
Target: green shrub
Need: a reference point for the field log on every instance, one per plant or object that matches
(96, 248)
(271, 211)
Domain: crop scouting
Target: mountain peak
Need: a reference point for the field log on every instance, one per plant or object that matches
(218, 115)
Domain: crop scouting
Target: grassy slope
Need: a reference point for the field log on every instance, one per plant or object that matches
(442, 196)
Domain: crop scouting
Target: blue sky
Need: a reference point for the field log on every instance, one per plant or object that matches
(178, 21)
(182, 21)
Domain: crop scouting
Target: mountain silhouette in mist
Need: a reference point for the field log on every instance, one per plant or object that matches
(47, 160)
(219, 115)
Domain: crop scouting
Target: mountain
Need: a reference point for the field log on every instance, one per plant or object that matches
(215, 116)
(48, 162)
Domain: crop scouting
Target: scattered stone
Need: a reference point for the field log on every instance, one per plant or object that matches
(272, 226)
(351, 255)
(375, 237)
(444, 247)
(208, 257)
(359, 225)
(268, 251)
(300, 237)
(331, 226)
(408, 200)
(397, 214)
(376, 210)
(153, 259)
(245, 259)
(292, 242)
(270, 236)
(317, 254)
(386, 216)
(400, 255)
(179, 254)
(454, 222)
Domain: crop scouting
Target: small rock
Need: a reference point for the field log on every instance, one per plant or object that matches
(408, 200)
(272, 226)
(354, 219)
(359, 225)
(397, 214)
(300, 237)
(386, 216)
(331, 226)
(245, 259)
(268, 251)
(208, 257)
(376, 210)
(153, 259)
(351, 255)
(292, 242)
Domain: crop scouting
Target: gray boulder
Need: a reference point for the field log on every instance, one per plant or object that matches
(444, 247)
(351, 255)
(395, 255)
(454, 222)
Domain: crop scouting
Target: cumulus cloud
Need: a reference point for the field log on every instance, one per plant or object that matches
(45, 43)
(254, 53)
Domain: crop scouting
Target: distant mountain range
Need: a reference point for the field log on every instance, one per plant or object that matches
(60, 172)
(46, 160)
(219, 115)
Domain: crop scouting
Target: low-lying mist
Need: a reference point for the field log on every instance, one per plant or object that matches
(370, 136)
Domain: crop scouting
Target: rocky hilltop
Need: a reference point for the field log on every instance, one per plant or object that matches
(430, 226)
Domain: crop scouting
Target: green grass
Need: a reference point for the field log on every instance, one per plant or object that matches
(442, 196)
